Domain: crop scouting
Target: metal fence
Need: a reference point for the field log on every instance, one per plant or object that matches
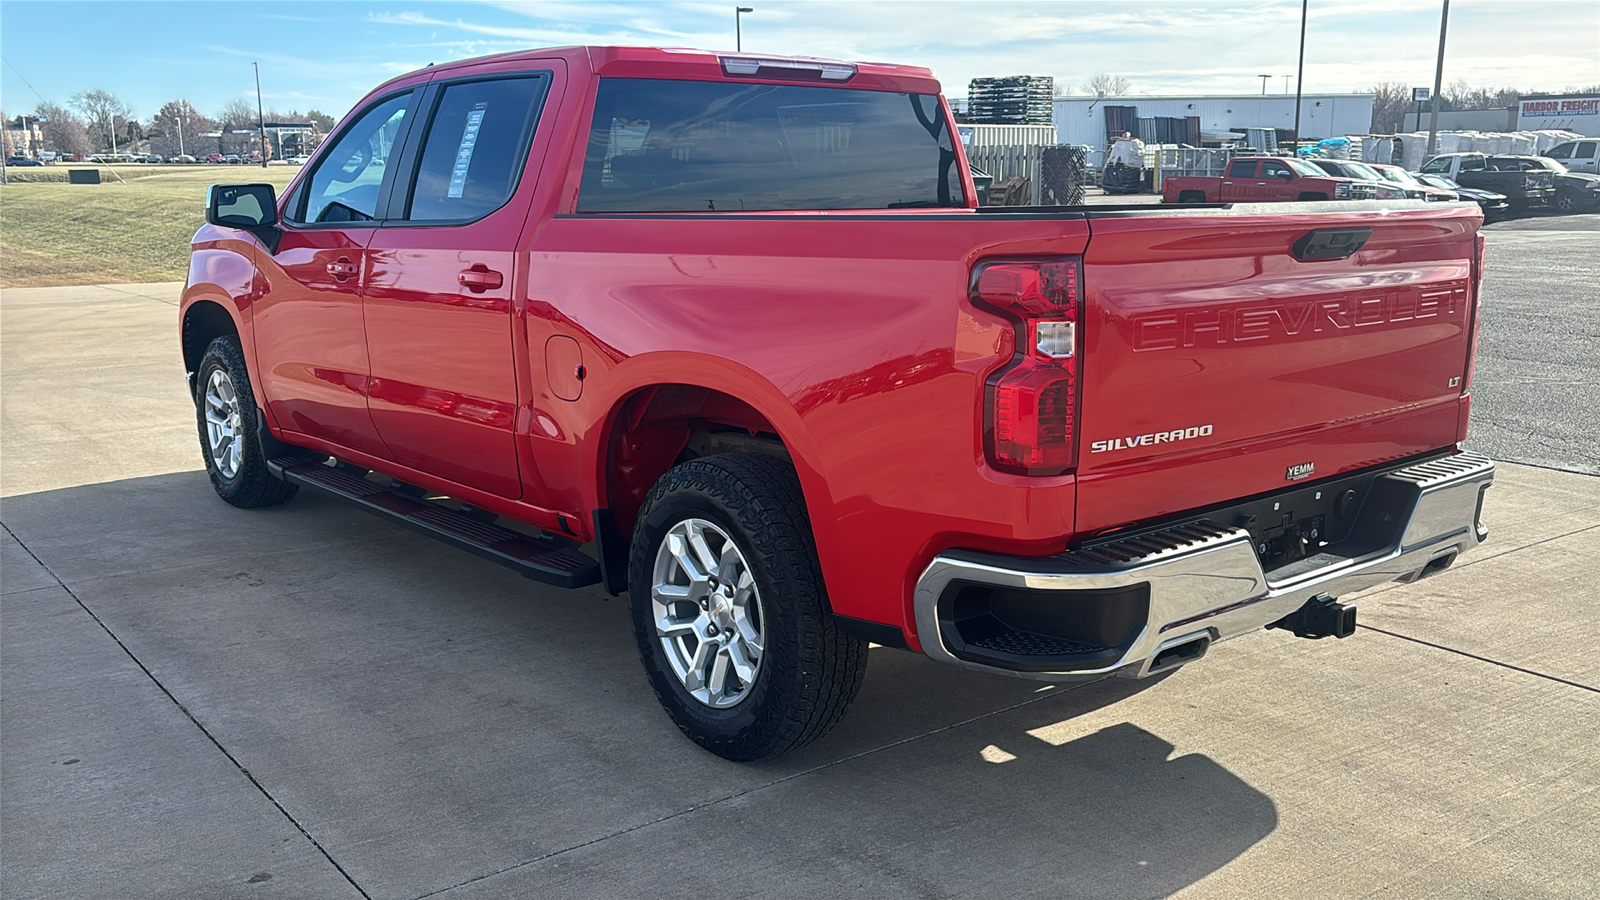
(1171, 161)
(1055, 175)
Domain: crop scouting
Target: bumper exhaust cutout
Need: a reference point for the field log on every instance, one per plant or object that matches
(1321, 617)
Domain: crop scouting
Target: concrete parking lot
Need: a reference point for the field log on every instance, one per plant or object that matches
(197, 701)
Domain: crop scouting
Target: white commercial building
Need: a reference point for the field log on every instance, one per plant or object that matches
(1573, 112)
(1082, 120)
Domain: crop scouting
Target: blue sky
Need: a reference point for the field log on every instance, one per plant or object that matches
(326, 55)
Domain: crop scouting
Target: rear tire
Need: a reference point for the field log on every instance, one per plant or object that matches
(730, 612)
(225, 410)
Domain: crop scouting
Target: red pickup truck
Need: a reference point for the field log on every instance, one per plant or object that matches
(730, 333)
(1261, 179)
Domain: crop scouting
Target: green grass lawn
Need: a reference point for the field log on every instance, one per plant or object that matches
(137, 229)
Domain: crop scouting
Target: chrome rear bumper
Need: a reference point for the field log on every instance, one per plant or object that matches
(1205, 580)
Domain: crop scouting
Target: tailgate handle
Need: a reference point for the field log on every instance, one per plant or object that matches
(1330, 243)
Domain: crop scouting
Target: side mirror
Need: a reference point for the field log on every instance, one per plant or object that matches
(246, 206)
(1286, 176)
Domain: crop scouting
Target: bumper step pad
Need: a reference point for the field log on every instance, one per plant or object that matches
(545, 559)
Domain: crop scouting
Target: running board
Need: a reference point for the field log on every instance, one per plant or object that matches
(542, 559)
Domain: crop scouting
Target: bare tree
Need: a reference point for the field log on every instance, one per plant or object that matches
(1390, 103)
(1109, 85)
(236, 115)
(63, 131)
(106, 114)
(176, 128)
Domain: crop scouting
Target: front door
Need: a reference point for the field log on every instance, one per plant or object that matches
(311, 350)
(439, 299)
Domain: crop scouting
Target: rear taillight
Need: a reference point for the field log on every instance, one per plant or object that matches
(1031, 408)
(1477, 314)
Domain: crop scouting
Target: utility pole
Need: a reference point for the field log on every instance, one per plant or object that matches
(738, 30)
(1300, 76)
(183, 122)
(1263, 83)
(1438, 82)
(261, 118)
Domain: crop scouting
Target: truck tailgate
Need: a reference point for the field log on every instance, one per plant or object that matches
(1218, 365)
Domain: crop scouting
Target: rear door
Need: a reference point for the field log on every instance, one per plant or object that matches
(1219, 365)
(440, 298)
(1240, 181)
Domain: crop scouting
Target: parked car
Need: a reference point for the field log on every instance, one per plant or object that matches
(1577, 156)
(72, 157)
(215, 158)
(798, 409)
(1523, 189)
(1574, 192)
(1493, 205)
(183, 158)
(22, 161)
(1258, 179)
(232, 159)
(1400, 177)
(297, 160)
(1360, 171)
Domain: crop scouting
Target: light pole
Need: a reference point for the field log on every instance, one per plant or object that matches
(1300, 77)
(1263, 83)
(183, 122)
(738, 31)
(261, 118)
(1438, 79)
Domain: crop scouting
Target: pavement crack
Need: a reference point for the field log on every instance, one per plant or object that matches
(187, 714)
(1493, 662)
(1063, 690)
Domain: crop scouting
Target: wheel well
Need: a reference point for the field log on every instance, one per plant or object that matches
(1312, 195)
(1192, 197)
(658, 427)
(203, 323)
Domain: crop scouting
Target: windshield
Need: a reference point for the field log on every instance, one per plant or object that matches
(1301, 167)
(1362, 170)
(1440, 181)
(1398, 176)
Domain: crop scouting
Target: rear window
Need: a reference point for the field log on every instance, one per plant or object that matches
(666, 146)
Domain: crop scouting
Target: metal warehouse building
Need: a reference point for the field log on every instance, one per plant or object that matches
(1084, 120)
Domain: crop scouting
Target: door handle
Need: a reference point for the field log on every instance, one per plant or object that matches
(480, 278)
(344, 268)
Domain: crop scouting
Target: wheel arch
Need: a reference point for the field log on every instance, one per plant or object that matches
(676, 404)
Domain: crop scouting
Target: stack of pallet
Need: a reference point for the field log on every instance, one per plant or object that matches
(1016, 100)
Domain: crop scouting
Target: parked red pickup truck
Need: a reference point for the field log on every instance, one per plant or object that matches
(1260, 179)
(730, 333)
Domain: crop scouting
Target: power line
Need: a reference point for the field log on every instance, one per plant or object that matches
(25, 81)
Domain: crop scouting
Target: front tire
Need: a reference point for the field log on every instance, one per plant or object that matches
(730, 612)
(225, 411)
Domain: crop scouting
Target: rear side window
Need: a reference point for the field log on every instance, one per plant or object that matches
(1586, 150)
(349, 175)
(1242, 168)
(476, 146)
(659, 146)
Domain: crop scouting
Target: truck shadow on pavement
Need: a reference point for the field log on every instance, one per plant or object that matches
(439, 724)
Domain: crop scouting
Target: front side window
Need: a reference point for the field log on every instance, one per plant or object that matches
(1561, 151)
(1441, 164)
(345, 186)
(1273, 169)
(475, 149)
(657, 145)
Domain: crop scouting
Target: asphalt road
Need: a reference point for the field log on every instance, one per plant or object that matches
(1536, 392)
(306, 702)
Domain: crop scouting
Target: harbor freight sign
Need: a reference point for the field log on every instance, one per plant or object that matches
(1572, 113)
